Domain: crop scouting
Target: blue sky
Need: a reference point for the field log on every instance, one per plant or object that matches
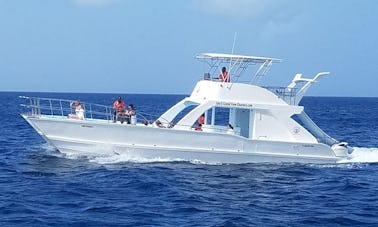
(146, 46)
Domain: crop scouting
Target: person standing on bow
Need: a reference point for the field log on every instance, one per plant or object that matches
(224, 76)
(119, 110)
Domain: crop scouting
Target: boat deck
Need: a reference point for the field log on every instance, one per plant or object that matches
(60, 109)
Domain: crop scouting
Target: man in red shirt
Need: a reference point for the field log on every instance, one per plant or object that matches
(201, 119)
(223, 76)
(119, 110)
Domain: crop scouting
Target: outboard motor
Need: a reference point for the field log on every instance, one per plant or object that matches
(342, 149)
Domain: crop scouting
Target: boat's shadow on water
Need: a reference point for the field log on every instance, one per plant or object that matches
(45, 160)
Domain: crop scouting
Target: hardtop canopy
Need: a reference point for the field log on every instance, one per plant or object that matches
(235, 57)
(237, 64)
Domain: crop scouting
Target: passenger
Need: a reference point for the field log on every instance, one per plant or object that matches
(230, 129)
(201, 119)
(199, 127)
(79, 111)
(119, 110)
(224, 76)
(73, 104)
(131, 115)
(159, 124)
(171, 124)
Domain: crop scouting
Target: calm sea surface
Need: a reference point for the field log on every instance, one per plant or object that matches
(42, 187)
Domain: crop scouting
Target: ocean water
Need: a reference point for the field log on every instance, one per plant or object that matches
(42, 187)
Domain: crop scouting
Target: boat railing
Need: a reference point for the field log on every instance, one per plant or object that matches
(288, 95)
(38, 106)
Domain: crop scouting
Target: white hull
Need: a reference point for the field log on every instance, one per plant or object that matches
(101, 137)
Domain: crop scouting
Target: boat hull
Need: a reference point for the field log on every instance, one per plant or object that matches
(100, 137)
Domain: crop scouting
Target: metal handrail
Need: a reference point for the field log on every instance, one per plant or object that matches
(62, 107)
(288, 95)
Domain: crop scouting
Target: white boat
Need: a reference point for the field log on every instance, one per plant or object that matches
(268, 123)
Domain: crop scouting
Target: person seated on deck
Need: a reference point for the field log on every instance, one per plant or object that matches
(131, 115)
(79, 111)
(224, 76)
(198, 128)
(201, 119)
(159, 124)
(171, 124)
(119, 110)
(146, 123)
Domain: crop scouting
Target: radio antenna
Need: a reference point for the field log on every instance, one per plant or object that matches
(233, 45)
(232, 52)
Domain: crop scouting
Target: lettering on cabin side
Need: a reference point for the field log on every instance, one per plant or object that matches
(234, 104)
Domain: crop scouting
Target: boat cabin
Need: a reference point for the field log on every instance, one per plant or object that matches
(254, 112)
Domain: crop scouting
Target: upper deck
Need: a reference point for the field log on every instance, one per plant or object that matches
(236, 65)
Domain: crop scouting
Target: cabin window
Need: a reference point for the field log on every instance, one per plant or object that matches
(184, 112)
(221, 116)
(240, 119)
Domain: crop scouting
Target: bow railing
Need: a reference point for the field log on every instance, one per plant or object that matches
(37, 106)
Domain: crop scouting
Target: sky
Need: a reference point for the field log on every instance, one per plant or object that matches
(149, 47)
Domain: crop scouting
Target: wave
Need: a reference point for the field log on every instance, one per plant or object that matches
(362, 155)
(123, 158)
(126, 158)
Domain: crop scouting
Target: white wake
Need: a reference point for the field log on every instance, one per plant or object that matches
(362, 155)
(126, 158)
(123, 158)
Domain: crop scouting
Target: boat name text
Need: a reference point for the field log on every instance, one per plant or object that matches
(234, 104)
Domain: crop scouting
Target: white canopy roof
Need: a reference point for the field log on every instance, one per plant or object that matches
(233, 57)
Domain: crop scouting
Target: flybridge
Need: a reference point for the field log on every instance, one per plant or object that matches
(237, 64)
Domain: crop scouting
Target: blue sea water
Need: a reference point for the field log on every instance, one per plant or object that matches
(42, 187)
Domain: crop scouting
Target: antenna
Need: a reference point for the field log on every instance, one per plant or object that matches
(233, 45)
(232, 52)
(230, 65)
